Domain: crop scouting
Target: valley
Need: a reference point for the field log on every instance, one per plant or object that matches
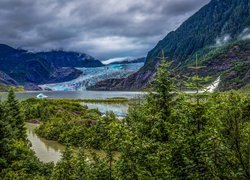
(125, 90)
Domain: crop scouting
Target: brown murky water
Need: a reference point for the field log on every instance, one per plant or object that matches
(46, 150)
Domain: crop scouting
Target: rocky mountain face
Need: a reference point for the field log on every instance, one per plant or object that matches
(231, 62)
(133, 82)
(7, 80)
(20, 67)
(218, 24)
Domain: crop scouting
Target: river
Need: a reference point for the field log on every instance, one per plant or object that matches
(45, 150)
(50, 151)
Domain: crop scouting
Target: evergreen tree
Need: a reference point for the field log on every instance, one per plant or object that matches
(6, 138)
(145, 148)
(14, 113)
(65, 168)
(81, 165)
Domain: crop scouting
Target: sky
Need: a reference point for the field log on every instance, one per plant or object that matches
(105, 29)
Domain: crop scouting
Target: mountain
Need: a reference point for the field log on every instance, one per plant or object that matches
(20, 67)
(69, 59)
(231, 62)
(218, 24)
(7, 80)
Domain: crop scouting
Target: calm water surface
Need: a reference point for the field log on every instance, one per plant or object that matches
(45, 150)
(51, 151)
(119, 110)
(77, 94)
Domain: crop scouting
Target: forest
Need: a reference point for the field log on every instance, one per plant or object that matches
(166, 135)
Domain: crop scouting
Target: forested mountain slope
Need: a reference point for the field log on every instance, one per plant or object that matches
(219, 23)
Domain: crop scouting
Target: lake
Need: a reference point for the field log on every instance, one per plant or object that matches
(77, 94)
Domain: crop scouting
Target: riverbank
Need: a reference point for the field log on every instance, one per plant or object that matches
(51, 151)
(65, 121)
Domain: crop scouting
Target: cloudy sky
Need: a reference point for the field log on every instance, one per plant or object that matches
(102, 28)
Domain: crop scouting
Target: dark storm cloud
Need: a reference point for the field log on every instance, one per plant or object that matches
(102, 28)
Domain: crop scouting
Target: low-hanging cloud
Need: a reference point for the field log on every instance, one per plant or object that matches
(245, 35)
(220, 41)
(105, 29)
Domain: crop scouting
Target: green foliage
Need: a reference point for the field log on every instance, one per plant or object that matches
(200, 31)
(168, 135)
(246, 88)
(63, 120)
(15, 116)
(17, 161)
(65, 168)
(5, 88)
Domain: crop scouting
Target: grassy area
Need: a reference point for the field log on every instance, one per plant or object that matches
(5, 88)
(107, 101)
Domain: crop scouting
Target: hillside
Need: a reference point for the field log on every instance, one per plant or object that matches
(21, 67)
(25, 68)
(230, 62)
(219, 23)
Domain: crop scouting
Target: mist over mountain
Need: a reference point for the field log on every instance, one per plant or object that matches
(219, 32)
(69, 59)
(125, 60)
(216, 25)
(20, 67)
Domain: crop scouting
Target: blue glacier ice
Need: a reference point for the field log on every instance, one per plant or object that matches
(91, 76)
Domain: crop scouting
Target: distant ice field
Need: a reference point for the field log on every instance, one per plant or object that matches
(91, 76)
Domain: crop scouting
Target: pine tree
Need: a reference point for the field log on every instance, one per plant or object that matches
(81, 165)
(16, 118)
(65, 168)
(162, 90)
(145, 150)
(6, 137)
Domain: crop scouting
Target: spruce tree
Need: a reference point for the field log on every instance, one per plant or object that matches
(145, 149)
(16, 118)
(6, 137)
(81, 165)
(162, 90)
(65, 168)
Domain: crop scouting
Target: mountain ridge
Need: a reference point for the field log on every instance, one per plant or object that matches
(30, 69)
(218, 23)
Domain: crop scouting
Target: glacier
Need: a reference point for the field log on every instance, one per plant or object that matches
(90, 76)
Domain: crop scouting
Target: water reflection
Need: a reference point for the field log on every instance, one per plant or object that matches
(51, 151)
(119, 110)
(45, 150)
